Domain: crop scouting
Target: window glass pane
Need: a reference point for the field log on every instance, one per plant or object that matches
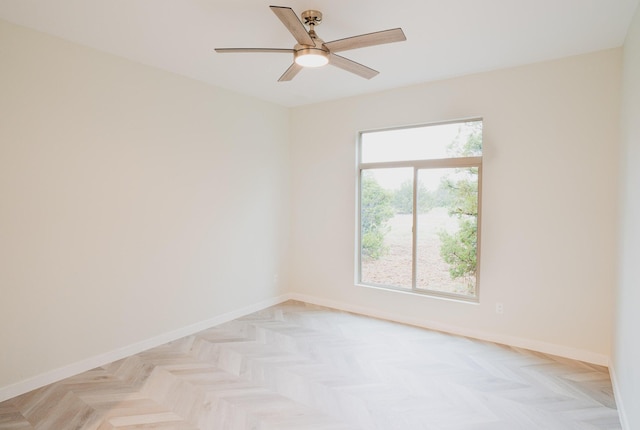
(446, 253)
(386, 222)
(422, 143)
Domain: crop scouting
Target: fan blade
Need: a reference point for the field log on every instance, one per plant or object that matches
(352, 66)
(291, 72)
(364, 40)
(293, 24)
(238, 50)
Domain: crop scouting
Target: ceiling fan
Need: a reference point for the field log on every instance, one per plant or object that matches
(311, 51)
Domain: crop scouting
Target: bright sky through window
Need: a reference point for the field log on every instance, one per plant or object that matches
(420, 143)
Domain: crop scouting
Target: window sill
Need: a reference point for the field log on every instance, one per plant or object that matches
(424, 293)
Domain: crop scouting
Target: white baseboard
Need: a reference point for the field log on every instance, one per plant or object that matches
(618, 396)
(55, 375)
(547, 348)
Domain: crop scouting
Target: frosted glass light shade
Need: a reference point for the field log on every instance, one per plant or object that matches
(311, 57)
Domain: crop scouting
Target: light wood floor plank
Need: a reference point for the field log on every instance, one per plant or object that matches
(297, 366)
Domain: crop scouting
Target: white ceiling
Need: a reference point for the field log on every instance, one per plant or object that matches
(445, 38)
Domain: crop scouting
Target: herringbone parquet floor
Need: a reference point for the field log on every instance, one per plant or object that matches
(297, 366)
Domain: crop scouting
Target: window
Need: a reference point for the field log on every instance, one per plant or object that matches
(419, 209)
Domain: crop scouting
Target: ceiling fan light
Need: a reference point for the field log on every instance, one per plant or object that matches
(311, 57)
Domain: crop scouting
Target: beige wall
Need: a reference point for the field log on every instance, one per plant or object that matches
(549, 202)
(133, 202)
(627, 341)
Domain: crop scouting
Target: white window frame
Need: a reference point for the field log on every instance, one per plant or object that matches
(417, 165)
